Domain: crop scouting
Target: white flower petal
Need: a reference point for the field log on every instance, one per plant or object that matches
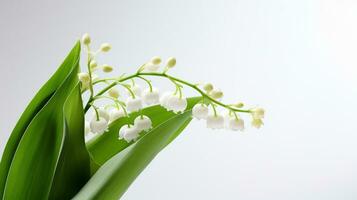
(115, 114)
(215, 121)
(133, 105)
(151, 97)
(143, 123)
(200, 111)
(99, 126)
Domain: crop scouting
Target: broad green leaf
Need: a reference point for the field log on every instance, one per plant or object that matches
(105, 146)
(42, 155)
(37, 103)
(73, 169)
(116, 175)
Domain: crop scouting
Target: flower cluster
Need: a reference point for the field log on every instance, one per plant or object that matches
(136, 97)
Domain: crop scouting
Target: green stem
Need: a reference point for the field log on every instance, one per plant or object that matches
(204, 95)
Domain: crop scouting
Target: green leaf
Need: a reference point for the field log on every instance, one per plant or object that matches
(43, 152)
(117, 174)
(105, 146)
(37, 103)
(73, 169)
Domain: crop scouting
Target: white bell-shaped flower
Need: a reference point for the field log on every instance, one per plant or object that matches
(86, 128)
(200, 111)
(143, 123)
(133, 104)
(151, 97)
(176, 104)
(102, 113)
(257, 123)
(98, 126)
(131, 134)
(164, 98)
(258, 113)
(137, 90)
(115, 114)
(235, 124)
(215, 121)
(122, 131)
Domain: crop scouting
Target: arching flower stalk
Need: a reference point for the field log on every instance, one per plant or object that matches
(175, 101)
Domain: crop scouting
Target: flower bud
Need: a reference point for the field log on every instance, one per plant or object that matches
(143, 123)
(86, 39)
(171, 62)
(99, 126)
(107, 68)
(83, 77)
(257, 123)
(216, 94)
(200, 111)
(208, 87)
(151, 67)
(105, 47)
(133, 105)
(215, 121)
(238, 105)
(151, 97)
(155, 60)
(113, 92)
(93, 64)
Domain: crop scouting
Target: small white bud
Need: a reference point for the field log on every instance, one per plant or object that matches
(102, 113)
(133, 105)
(257, 123)
(136, 89)
(86, 39)
(107, 68)
(200, 111)
(86, 128)
(143, 123)
(131, 134)
(113, 92)
(171, 62)
(115, 114)
(105, 47)
(215, 121)
(216, 94)
(239, 105)
(258, 113)
(236, 124)
(208, 87)
(93, 64)
(98, 126)
(83, 77)
(155, 60)
(176, 104)
(151, 97)
(151, 67)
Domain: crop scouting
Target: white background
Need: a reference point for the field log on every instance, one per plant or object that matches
(297, 59)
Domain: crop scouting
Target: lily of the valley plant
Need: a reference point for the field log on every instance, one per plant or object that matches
(68, 147)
